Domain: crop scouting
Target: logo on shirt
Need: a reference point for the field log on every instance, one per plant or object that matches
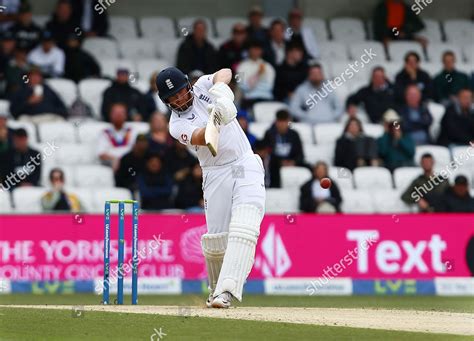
(184, 137)
(193, 116)
(204, 98)
(169, 84)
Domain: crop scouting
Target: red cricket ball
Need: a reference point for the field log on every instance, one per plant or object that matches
(325, 183)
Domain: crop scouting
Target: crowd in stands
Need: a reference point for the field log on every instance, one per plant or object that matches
(281, 62)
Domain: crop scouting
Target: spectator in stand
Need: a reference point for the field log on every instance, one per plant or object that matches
(291, 73)
(57, 199)
(257, 77)
(63, 24)
(457, 124)
(457, 198)
(122, 91)
(354, 148)
(79, 63)
(413, 75)
(6, 134)
(7, 52)
(286, 147)
(25, 31)
(243, 118)
(312, 102)
(427, 190)
(179, 161)
(153, 102)
(232, 51)
(302, 35)
(91, 17)
(395, 148)
(255, 29)
(275, 46)
(132, 164)
(159, 138)
(48, 56)
(314, 198)
(155, 185)
(9, 13)
(196, 53)
(449, 81)
(116, 141)
(395, 20)
(190, 195)
(377, 97)
(37, 101)
(416, 118)
(17, 68)
(20, 165)
(262, 150)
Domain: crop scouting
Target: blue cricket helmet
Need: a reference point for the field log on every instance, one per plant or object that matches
(169, 82)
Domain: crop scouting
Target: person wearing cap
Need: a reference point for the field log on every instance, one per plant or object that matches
(36, 101)
(6, 133)
(232, 51)
(62, 23)
(121, 91)
(58, 199)
(48, 57)
(255, 29)
(25, 31)
(302, 35)
(79, 63)
(457, 198)
(257, 76)
(427, 190)
(17, 68)
(195, 52)
(132, 164)
(291, 73)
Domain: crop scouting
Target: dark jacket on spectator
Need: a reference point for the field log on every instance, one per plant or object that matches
(189, 193)
(6, 144)
(192, 57)
(80, 64)
(155, 190)
(453, 203)
(423, 183)
(12, 160)
(447, 84)
(376, 102)
(230, 55)
(178, 160)
(288, 78)
(396, 153)
(456, 127)
(130, 167)
(27, 37)
(309, 205)
(51, 103)
(123, 93)
(418, 126)
(62, 30)
(423, 80)
(349, 150)
(100, 20)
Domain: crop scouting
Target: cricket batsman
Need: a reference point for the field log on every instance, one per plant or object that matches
(233, 176)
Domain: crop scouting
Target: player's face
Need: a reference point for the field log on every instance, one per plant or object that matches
(182, 100)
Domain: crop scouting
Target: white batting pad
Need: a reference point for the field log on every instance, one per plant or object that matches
(244, 229)
(213, 248)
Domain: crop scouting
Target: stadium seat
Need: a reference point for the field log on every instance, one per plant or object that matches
(468, 50)
(373, 130)
(109, 67)
(157, 28)
(123, 27)
(459, 31)
(28, 126)
(4, 106)
(328, 132)
(467, 68)
(403, 176)
(259, 129)
(356, 201)
(280, 201)
(59, 132)
(46, 169)
(92, 91)
(266, 111)
(304, 130)
(462, 153)
(294, 177)
(333, 51)
(185, 26)
(89, 132)
(147, 67)
(93, 176)
(5, 203)
(392, 69)
(41, 20)
(140, 84)
(358, 49)
(435, 52)
(342, 177)
(432, 31)
(441, 155)
(437, 112)
(389, 201)
(101, 195)
(85, 196)
(465, 170)
(136, 49)
(267, 21)
(101, 48)
(319, 152)
(216, 42)
(339, 68)
(398, 49)
(371, 178)
(224, 26)
(168, 50)
(28, 199)
(65, 88)
(319, 28)
(347, 30)
(75, 154)
(432, 68)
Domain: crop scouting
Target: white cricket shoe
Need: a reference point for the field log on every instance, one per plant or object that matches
(209, 301)
(223, 300)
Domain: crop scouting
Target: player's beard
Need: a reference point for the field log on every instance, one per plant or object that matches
(182, 109)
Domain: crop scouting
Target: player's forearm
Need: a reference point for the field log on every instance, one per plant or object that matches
(223, 75)
(198, 138)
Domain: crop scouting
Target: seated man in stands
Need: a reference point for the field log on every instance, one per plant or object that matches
(36, 101)
(449, 81)
(155, 185)
(457, 124)
(427, 189)
(412, 74)
(116, 141)
(314, 198)
(232, 51)
(80, 64)
(457, 198)
(48, 57)
(314, 101)
(299, 34)
(57, 199)
(159, 138)
(132, 164)
(190, 195)
(179, 161)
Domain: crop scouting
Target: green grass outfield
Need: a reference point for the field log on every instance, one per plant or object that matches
(33, 324)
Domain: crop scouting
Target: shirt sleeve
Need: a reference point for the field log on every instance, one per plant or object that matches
(205, 82)
(182, 131)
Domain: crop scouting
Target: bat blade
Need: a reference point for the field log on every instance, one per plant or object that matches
(212, 132)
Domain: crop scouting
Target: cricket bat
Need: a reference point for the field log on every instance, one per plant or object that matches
(213, 129)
